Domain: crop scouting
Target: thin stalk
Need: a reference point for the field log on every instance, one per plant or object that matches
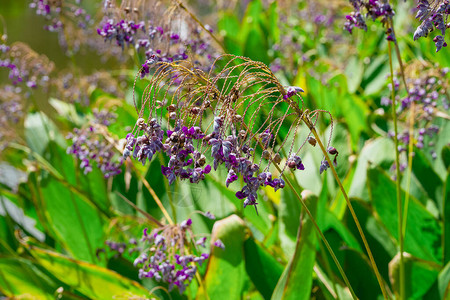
(155, 197)
(329, 271)
(305, 207)
(183, 7)
(397, 181)
(350, 207)
(410, 157)
(327, 245)
(169, 194)
(144, 213)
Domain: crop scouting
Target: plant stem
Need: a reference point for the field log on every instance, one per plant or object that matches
(329, 271)
(398, 186)
(350, 207)
(327, 245)
(183, 7)
(155, 197)
(305, 207)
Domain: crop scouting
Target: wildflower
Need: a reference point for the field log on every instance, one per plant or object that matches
(89, 146)
(223, 126)
(165, 258)
(219, 244)
(376, 9)
(432, 17)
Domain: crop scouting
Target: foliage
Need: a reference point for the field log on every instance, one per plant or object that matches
(132, 147)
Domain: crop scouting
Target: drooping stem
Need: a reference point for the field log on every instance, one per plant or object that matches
(398, 186)
(322, 236)
(350, 207)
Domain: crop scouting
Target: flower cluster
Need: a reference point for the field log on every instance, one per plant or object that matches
(77, 89)
(429, 93)
(159, 40)
(55, 11)
(318, 18)
(375, 9)
(25, 66)
(90, 145)
(202, 121)
(178, 146)
(11, 113)
(433, 15)
(165, 257)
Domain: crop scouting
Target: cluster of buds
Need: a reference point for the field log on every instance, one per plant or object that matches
(25, 66)
(89, 146)
(165, 257)
(375, 9)
(222, 126)
(429, 92)
(135, 27)
(12, 113)
(56, 11)
(433, 16)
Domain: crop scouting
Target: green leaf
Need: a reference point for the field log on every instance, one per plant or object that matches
(76, 223)
(93, 281)
(427, 177)
(419, 275)
(441, 287)
(20, 278)
(423, 232)
(225, 274)
(263, 269)
(289, 216)
(92, 185)
(296, 280)
(378, 152)
(229, 27)
(256, 46)
(39, 131)
(354, 72)
(446, 220)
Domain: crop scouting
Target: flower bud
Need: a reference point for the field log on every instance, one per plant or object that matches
(277, 158)
(312, 141)
(332, 150)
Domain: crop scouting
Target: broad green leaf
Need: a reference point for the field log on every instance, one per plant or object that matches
(427, 177)
(365, 286)
(20, 278)
(419, 275)
(446, 156)
(229, 27)
(39, 131)
(446, 220)
(441, 287)
(378, 152)
(423, 232)
(77, 223)
(444, 282)
(225, 275)
(327, 287)
(289, 218)
(263, 269)
(296, 280)
(93, 281)
(92, 185)
(256, 40)
(354, 72)
(333, 223)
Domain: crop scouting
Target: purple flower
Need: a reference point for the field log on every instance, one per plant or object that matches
(292, 90)
(219, 244)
